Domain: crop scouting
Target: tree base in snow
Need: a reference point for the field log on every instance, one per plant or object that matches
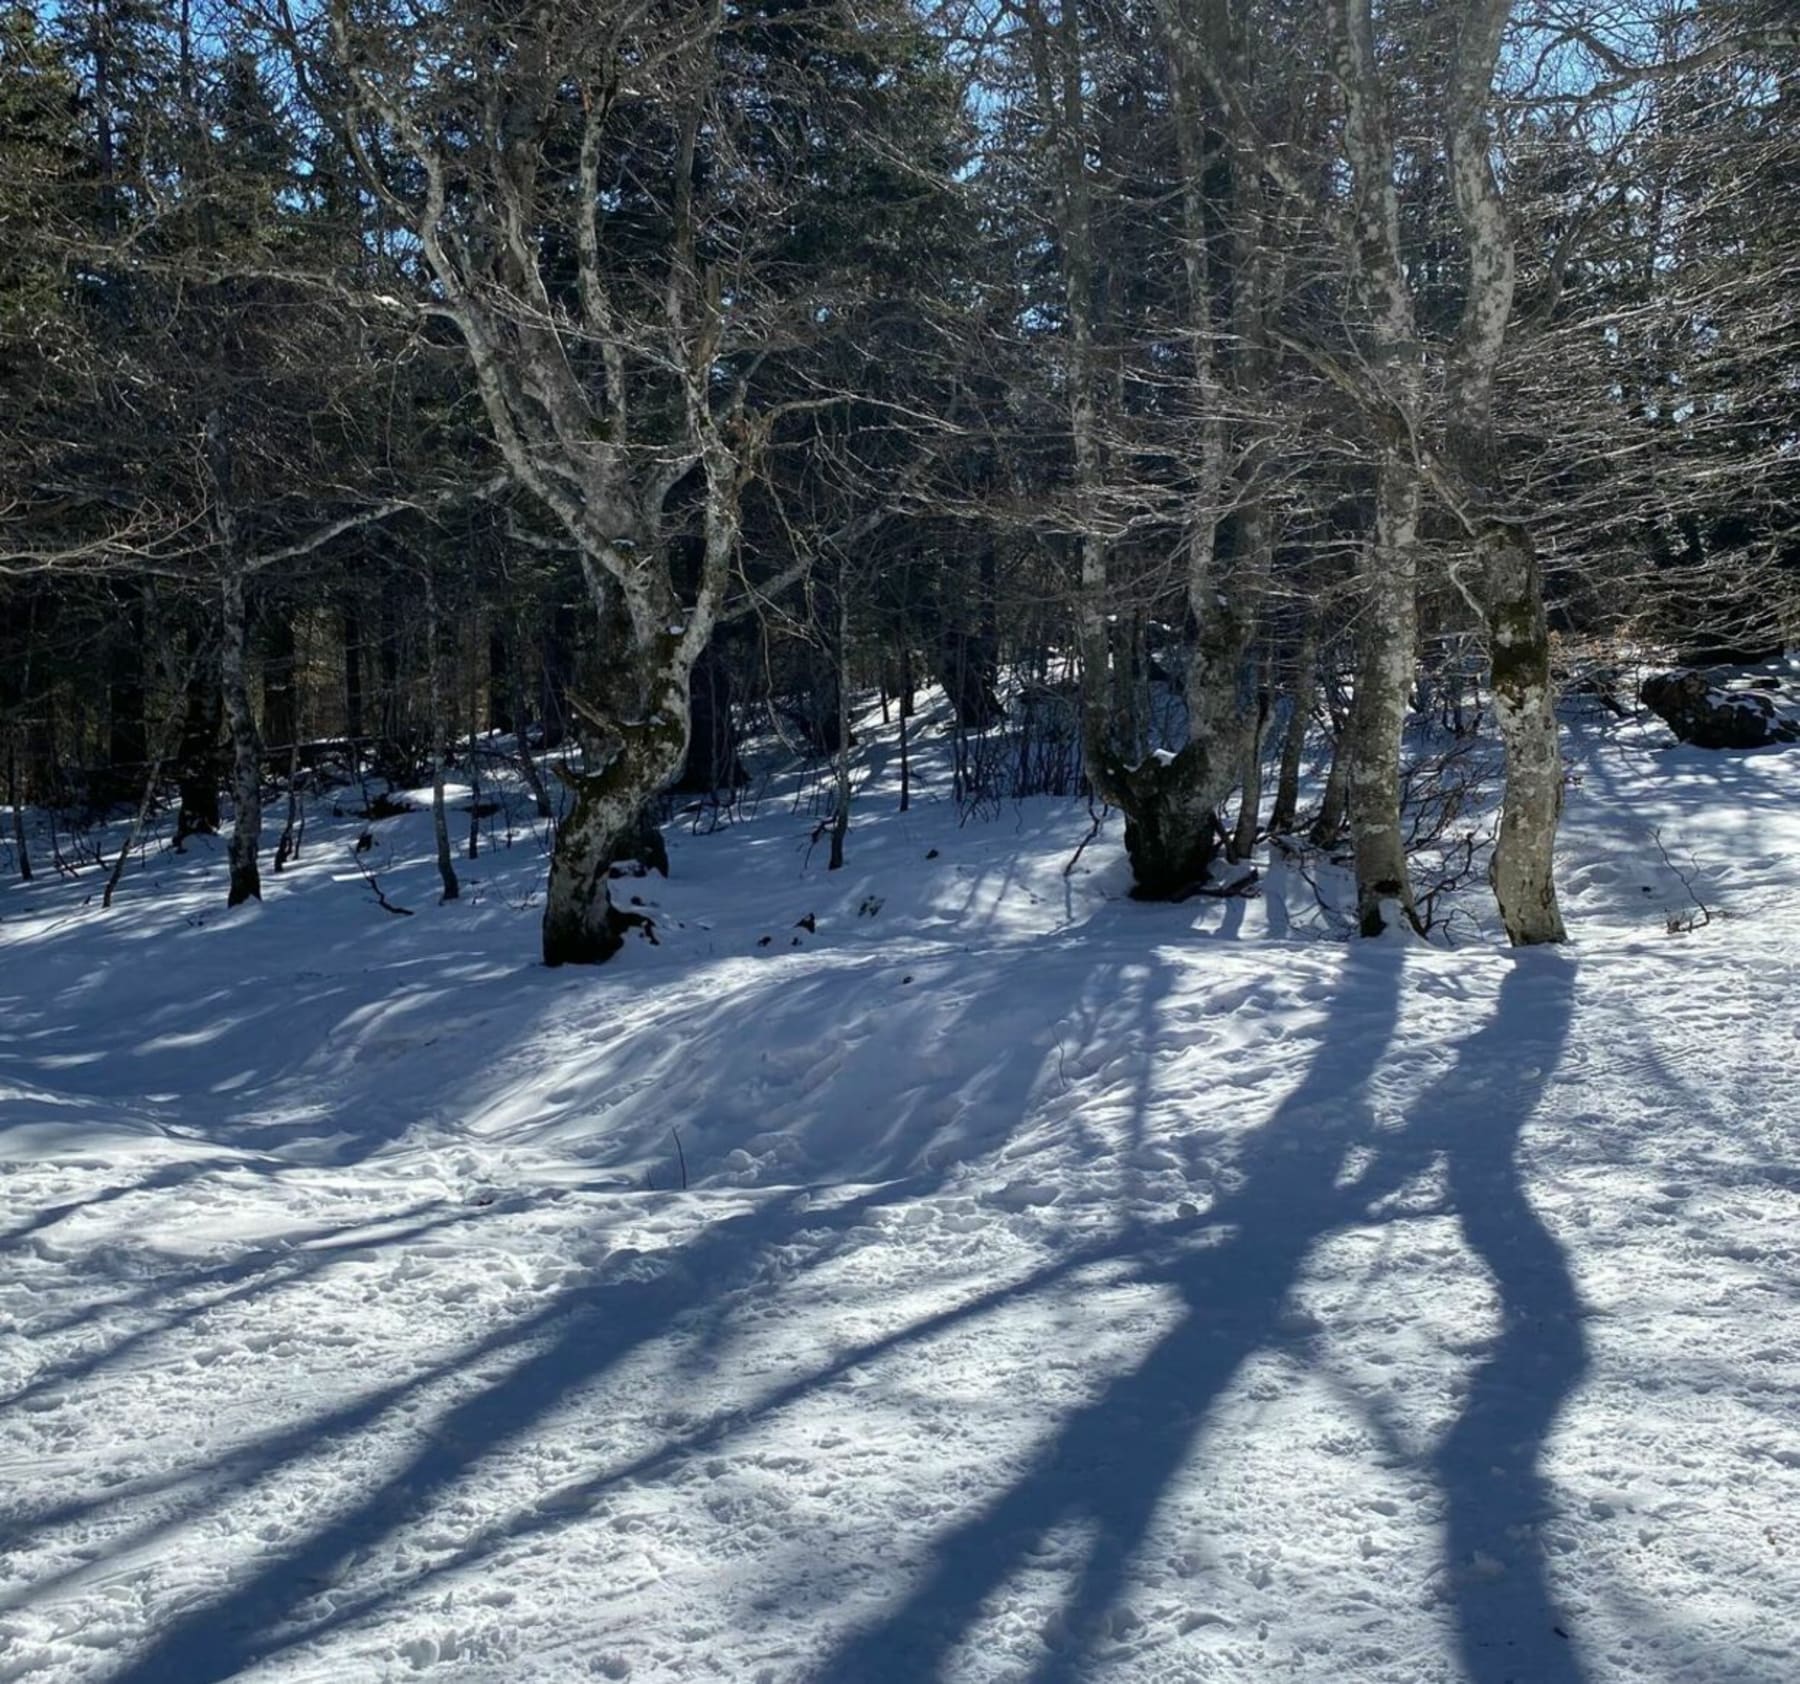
(593, 942)
(1172, 834)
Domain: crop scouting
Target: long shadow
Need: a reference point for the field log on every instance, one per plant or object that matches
(255, 1275)
(170, 1175)
(565, 1347)
(1107, 1469)
(1490, 1463)
(1111, 1462)
(1109, 1466)
(562, 1348)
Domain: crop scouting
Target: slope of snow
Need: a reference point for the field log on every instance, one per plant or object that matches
(1000, 1280)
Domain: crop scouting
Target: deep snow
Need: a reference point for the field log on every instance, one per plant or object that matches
(1064, 1288)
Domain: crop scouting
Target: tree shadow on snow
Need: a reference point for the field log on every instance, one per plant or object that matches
(981, 1089)
(1110, 1465)
(1112, 1462)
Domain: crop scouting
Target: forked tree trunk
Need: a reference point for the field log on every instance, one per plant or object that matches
(581, 925)
(564, 427)
(1170, 802)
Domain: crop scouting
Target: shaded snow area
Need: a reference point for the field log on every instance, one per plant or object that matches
(1063, 1288)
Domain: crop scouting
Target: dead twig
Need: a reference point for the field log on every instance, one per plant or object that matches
(381, 899)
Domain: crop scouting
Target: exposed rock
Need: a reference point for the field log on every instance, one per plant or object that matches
(1709, 716)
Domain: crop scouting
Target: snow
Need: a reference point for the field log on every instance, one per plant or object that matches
(1063, 1288)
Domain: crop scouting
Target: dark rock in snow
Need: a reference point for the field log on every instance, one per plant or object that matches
(1709, 716)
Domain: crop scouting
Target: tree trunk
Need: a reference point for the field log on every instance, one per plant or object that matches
(127, 735)
(293, 829)
(16, 798)
(165, 740)
(1389, 607)
(1385, 650)
(528, 766)
(1334, 807)
(581, 925)
(15, 701)
(1523, 870)
(502, 690)
(1249, 816)
(350, 617)
(1171, 802)
(905, 711)
(475, 739)
(1511, 580)
(840, 817)
(712, 758)
(199, 749)
(557, 672)
(1171, 831)
(393, 758)
(280, 712)
(968, 668)
(246, 743)
(434, 678)
(1299, 720)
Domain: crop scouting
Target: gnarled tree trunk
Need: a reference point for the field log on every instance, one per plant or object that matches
(627, 765)
(563, 423)
(1170, 801)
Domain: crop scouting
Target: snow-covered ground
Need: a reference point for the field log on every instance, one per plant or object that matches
(1062, 1288)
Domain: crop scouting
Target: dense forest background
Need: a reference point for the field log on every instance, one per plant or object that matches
(392, 386)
